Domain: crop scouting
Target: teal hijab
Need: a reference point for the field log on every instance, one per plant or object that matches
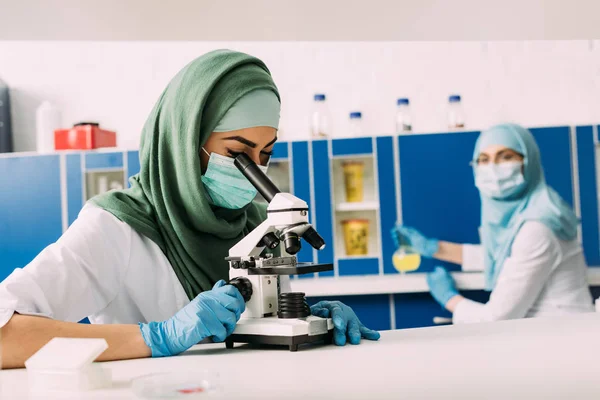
(167, 200)
(502, 219)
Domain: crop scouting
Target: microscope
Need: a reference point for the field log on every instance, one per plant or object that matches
(274, 317)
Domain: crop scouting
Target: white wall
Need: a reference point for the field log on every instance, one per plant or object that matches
(298, 20)
(117, 83)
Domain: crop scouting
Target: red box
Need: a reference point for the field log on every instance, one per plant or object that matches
(84, 136)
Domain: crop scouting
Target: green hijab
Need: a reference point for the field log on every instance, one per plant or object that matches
(166, 201)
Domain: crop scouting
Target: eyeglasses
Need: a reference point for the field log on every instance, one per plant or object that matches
(500, 158)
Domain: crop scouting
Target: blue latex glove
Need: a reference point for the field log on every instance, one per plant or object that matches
(405, 235)
(212, 313)
(442, 286)
(345, 322)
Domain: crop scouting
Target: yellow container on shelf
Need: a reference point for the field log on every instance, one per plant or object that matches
(356, 236)
(353, 180)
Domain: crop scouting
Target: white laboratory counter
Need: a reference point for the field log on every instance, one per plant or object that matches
(395, 283)
(525, 359)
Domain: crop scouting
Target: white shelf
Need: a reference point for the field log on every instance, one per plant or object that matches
(391, 284)
(352, 156)
(361, 257)
(362, 206)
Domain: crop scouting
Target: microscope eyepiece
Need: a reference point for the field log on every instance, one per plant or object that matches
(259, 180)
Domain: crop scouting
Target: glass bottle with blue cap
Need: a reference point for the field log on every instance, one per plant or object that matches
(320, 119)
(403, 117)
(356, 128)
(456, 115)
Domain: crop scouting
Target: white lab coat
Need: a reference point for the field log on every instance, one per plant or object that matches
(544, 276)
(100, 268)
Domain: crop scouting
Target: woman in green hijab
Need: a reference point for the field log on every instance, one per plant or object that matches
(146, 264)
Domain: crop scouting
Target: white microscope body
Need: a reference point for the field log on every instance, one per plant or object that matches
(273, 316)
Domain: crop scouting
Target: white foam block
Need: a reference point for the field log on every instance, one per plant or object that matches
(68, 364)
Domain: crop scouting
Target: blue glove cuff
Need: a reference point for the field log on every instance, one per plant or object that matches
(445, 297)
(431, 247)
(153, 337)
(441, 285)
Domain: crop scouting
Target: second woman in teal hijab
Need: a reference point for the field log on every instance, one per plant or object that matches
(530, 257)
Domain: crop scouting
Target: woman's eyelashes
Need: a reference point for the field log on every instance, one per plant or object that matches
(263, 159)
(500, 158)
(509, 157)
(234, 154)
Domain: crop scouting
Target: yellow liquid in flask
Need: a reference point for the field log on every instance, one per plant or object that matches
(406, 262)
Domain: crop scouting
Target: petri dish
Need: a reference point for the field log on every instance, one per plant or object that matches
(196, 385)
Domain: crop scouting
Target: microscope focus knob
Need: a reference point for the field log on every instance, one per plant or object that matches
(270, 240)
(243, 285)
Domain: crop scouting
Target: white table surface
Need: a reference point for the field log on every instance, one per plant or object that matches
(526, 359)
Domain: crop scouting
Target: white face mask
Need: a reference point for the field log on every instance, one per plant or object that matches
(225, 184)
(499, 181)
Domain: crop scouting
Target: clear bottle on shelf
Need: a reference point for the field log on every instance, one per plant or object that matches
(320, 121)
(47, 120)
(356, 128)
(403, 117)
(456, 115)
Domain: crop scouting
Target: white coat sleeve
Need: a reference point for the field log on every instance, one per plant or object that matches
(535, 253)
(75, 277)
(473, 259)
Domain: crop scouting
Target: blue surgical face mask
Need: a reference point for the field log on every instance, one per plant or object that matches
(225, 185)
(500, 181)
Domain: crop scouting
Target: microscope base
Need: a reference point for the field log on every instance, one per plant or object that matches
(285, 332)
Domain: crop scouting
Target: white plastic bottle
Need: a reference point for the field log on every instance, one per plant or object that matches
(47, 120)
(456, 115)
(403, 117)
(320, 121)
(356, 124)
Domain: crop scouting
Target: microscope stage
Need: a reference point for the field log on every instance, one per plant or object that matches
(279, 331)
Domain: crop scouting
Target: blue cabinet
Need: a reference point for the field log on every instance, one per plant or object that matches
(322, 207)
(372, 310)
(555, 150)
(438, 194)
(417, 310)
(133, 164)
(31, 214)
(302, 188)
(588, 194)
(387, 168)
